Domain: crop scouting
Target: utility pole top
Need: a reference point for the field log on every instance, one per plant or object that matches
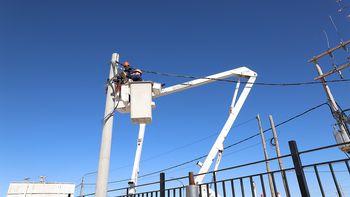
(341, 130)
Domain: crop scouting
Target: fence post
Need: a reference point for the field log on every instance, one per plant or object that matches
(304, 190)
(162, 185)
(215, 185)
(190, 178)
(192, 189)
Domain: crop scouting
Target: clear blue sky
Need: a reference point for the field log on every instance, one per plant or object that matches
(54, 62)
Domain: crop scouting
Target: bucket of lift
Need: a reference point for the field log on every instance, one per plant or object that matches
(141, 102)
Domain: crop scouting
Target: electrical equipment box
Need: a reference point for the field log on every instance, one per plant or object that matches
(141, 102)
(340, 140)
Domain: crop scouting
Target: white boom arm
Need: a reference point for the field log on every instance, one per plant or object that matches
(135, 170)
(220, 150)
(217, 147)
(238, 72)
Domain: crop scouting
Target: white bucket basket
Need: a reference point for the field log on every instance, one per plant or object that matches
(141, 102)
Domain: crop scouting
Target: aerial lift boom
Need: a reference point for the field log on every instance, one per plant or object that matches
(122, 104)
(235, 107)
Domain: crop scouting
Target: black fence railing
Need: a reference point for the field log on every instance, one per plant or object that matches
(326, 178)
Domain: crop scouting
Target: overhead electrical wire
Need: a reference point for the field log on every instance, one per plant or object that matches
(241, 149)
(167, 152)
(279, 124)
(194, 142)
(255, 83)
(193, 160)
(234, 144)
(235, 81)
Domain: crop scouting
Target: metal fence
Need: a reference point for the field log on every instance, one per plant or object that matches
(326, 178)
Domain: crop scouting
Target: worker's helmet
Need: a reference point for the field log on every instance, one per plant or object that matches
(137, 71)
(126, 64)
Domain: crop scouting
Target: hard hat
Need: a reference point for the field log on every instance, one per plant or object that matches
(138, 70)
(126, 64)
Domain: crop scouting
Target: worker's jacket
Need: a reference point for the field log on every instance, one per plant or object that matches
(136, 77)
(128, 72)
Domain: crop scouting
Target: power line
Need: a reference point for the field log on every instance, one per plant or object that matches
(196, 159)
(235, 81)
(255, 83)
(194, 142)
(239, 142)
(242, 149)
(166, 152)
(279, 124)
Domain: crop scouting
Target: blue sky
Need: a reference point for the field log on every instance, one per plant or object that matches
(54, 62)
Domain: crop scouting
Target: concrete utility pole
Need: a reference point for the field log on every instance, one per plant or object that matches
(105, 149)
(278, 152)
(266, 157)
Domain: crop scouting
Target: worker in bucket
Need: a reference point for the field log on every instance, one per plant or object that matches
(127, 69)
(136, 75)
(124, 75)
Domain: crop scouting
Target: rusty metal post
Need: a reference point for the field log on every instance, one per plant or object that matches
(192, 190)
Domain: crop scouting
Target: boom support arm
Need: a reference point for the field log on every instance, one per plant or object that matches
(217, 147)
(241, 72)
